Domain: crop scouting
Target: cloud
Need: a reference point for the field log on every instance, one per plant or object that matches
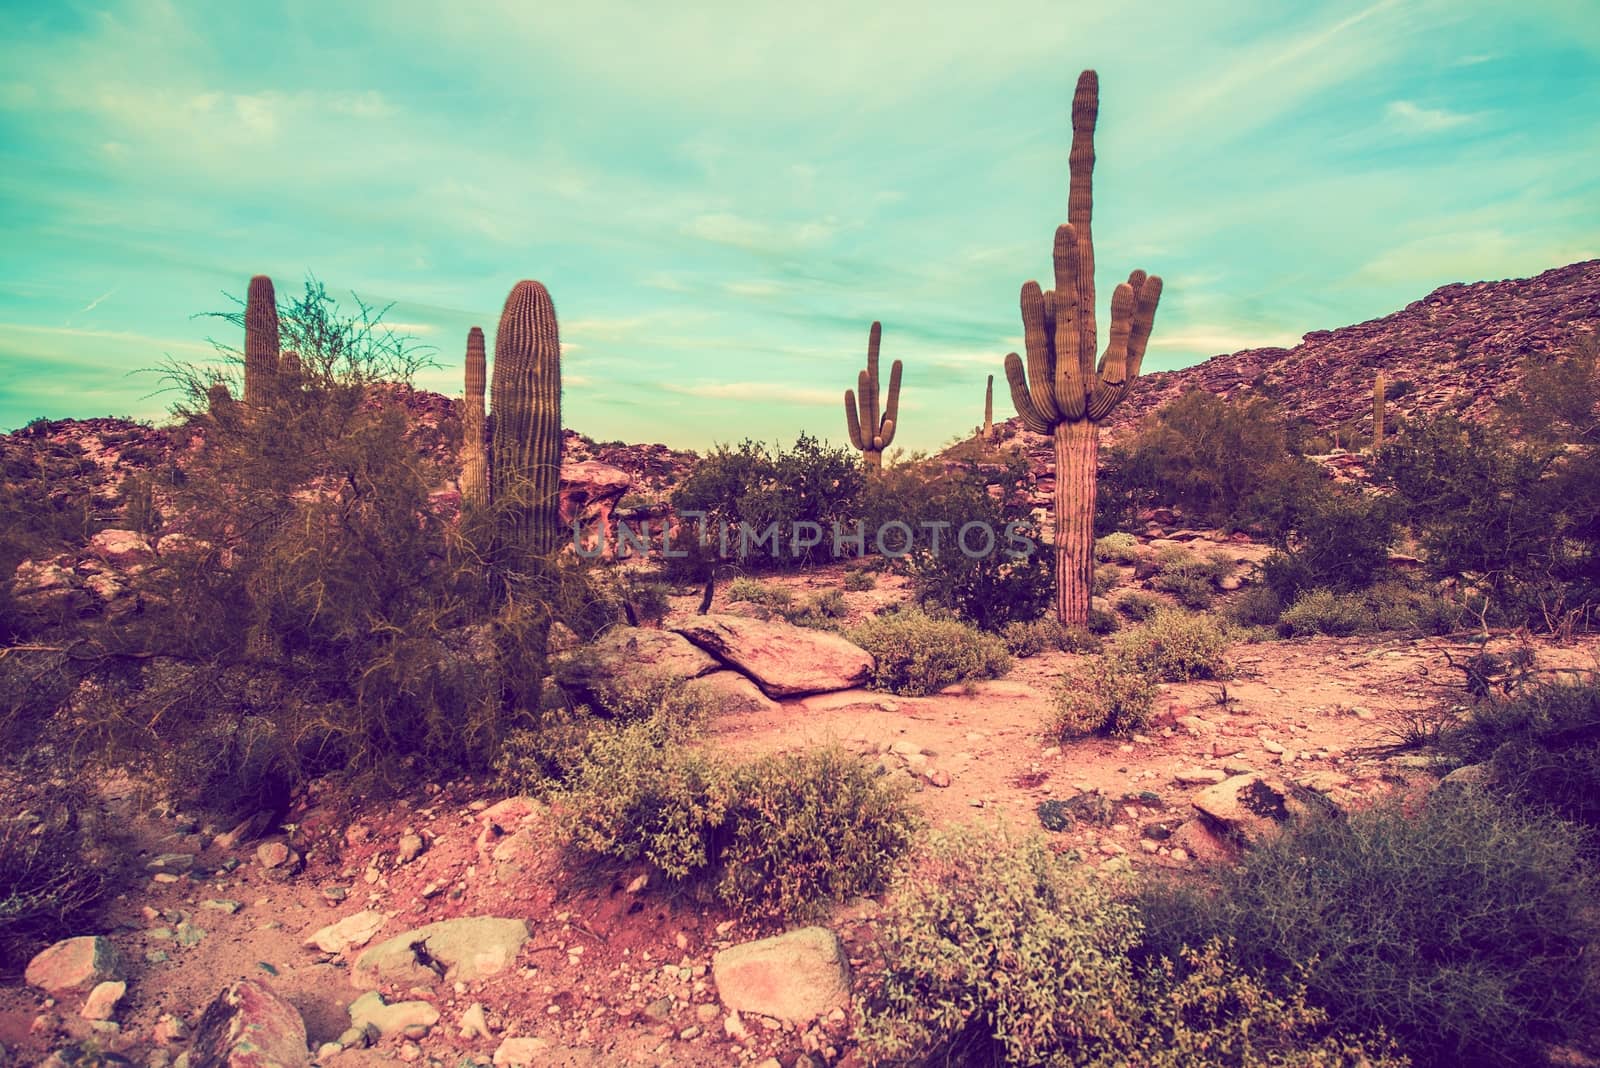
(1410, 116)
(783, 392)
(725, 228)
(96, 302)
(1221, 340)
(753, 289)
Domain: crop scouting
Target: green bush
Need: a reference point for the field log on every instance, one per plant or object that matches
(918, 655)
(990, 589)
(777, 598)
(784, 835)
(1542, 743)
(1112, 695)
(1465, 931)
(1138, 605)
(999, 952)
(1030, 639)
(1176, 646)
(809, 829)
(1255, 606)
(1223, 462)
(1102, 621)
(822, 609)
(858, 581)
(1336, 615)
(1118, 548)
(1332, 538)
(811, 483)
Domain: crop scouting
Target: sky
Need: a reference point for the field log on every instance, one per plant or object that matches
(722, 196)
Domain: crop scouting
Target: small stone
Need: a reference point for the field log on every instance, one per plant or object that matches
(409, 848)
(272, 854)
(169, 1028)
(74, 964)
(937, 777)
(474, 1024)
(221, 905)
(521, 1052)
(639, 883)
(1200, 776)
(706, 1013)
(171, 862)
(101, 1004)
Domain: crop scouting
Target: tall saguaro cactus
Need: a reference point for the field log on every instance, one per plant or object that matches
(525, 461)
(260, 342)
(988, 410)
(1064, 392)
(474, 461)
(1377, 412)
(870, 432)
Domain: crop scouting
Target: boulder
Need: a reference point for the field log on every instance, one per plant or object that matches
(795, 977)
(1248, 806)
(784, 660)
(466, 949)
(624, 652)
(732, 693)
(75, 964)
(248, 1026)
(121, 548)
(590, 491)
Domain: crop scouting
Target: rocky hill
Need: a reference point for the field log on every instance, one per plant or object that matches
(1458, 349)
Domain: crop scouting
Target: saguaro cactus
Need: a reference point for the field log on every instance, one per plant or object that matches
(988, 410)
(1377, 412)
(525, 462)
(1064, 393)
(474, 461)
(868, 432)
(260, 342)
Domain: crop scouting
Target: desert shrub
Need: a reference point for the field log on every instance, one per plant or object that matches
(1463, 930)
(1522, 517)
(649, 600)
(778, 598)
(1138, 605)
(1176, 646)
(1117, 548)
(977, 941)
(917, 654)
(1542, 743)
(760, 488)
(1102, 621)
(1223, 462)
(1330, 538)
(1396, 606)
(1336, 615)
(999, 952)
(1111, 695)
(1257, 605)
(781, 835)
(822, 609)
(55, 864)
(1030, 639)
(1106, 578)
(808, 829)
(858, 581)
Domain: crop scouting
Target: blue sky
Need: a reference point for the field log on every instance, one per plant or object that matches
(721, 197)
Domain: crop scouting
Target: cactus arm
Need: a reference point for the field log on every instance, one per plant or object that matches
(852, 420)
(1147, 294)
(891, 411)
(1041, 359)
(1020, 397)
(868, 420)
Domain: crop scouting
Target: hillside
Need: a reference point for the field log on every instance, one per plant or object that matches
(1457, 349)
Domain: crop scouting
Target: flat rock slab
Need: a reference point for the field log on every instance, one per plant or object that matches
(783, 659)
(248, 1026)
(625, 651)
(75, 964)
(732, 693)
(468, 948)
(840, 699)
(354, 930)
(796, 977)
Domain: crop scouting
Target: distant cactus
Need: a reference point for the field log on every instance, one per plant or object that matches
(1064, 393)
(868, 432)
(988, 410)
(1377, 412)
(290, 376)
(219, 402)
(260, 342)
(525, 455)
(474, 462)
